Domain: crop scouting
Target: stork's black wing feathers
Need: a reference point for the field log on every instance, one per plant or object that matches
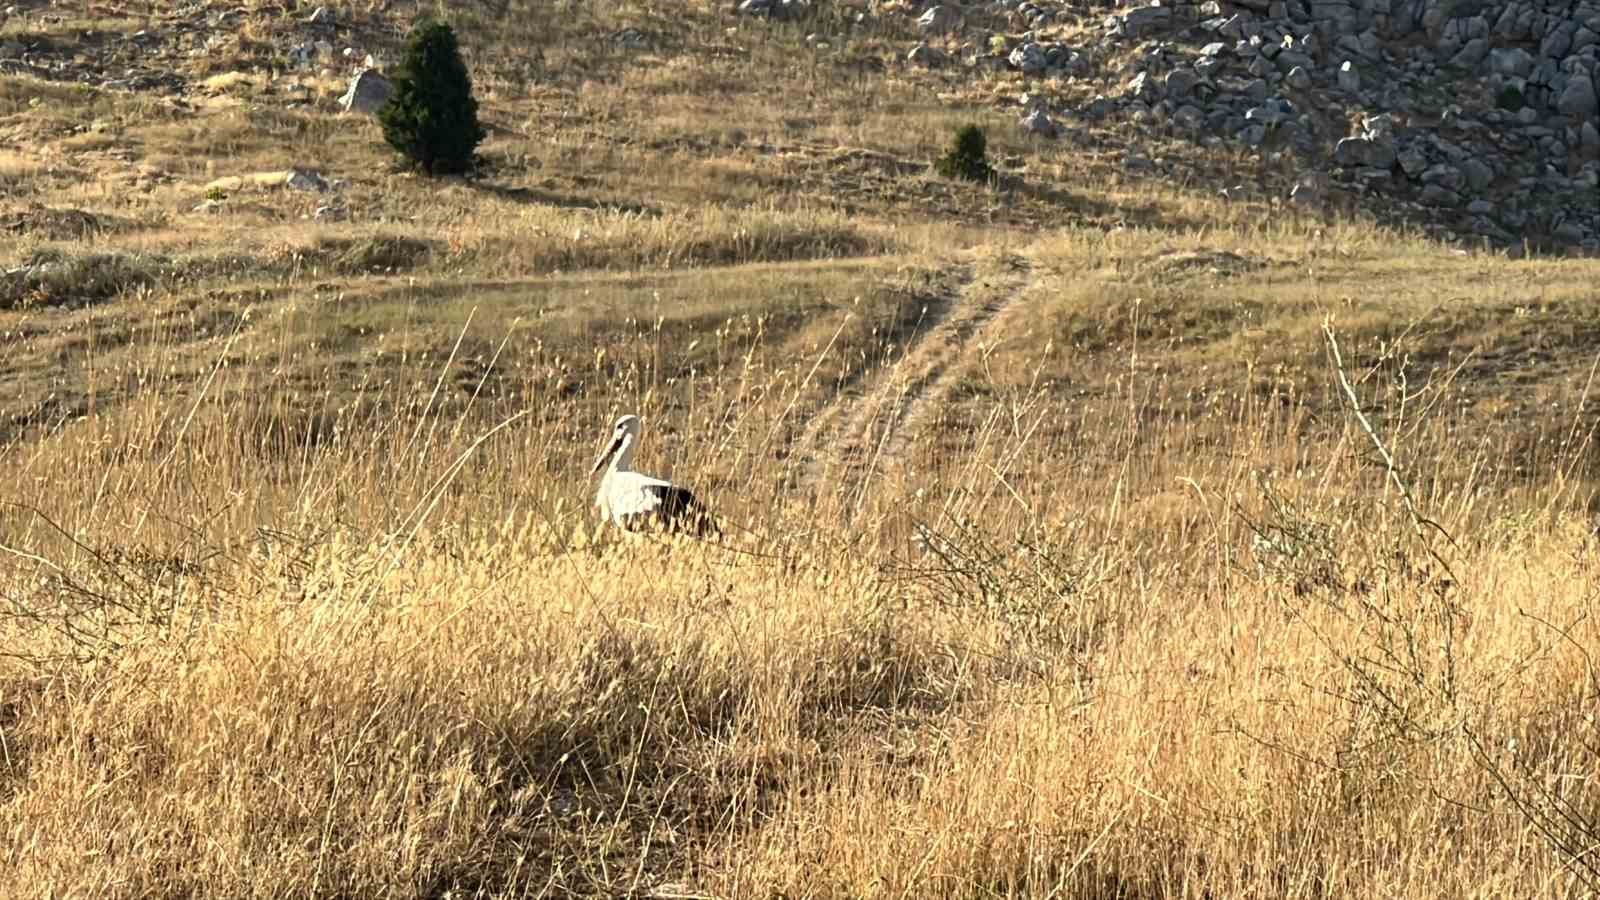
(676, 510)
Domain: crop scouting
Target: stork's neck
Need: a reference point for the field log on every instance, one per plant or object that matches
(623, 460)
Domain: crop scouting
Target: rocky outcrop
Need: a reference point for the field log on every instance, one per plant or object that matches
(1481, 120)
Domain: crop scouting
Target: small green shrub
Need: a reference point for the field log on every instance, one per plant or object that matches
(967, 157)
(1509, 98)
(431, 116)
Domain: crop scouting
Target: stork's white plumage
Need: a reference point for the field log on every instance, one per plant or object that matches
(634, 501)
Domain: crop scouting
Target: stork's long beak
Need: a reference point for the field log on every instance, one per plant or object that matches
(606, 456)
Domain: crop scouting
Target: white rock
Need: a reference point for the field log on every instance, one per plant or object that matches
(1349, 78)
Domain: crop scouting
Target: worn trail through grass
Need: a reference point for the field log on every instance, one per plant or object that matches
(869, 422)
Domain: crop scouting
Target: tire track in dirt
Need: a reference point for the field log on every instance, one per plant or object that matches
(868, 427)
(827, 441)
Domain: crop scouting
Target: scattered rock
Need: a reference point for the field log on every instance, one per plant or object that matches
(1309, 191)
(1579, 97)
(1513, 62)
(774, 9)
(926, 56)
(1029, 58)
(1569, 232)
(939, 20)
(1181, 83)
(1478, 174)
(1141, 21)
(1349, 79)
(631, 38)
(1364, 152)
(1462, 103)
(295, 179)
(1037, 121)
(368, 92)
(305, 180)
(1142, 87)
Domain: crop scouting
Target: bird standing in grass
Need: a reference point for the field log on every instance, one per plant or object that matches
(636, 502)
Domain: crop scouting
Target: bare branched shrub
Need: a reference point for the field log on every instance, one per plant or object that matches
(1041, 582)
(1409, 689)
(107, 599)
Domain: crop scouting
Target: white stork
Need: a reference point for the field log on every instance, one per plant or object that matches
(634, 501)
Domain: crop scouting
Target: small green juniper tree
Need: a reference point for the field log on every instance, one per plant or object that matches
(431, 117)
(967, 157)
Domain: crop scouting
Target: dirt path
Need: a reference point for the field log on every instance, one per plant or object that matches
(868, 427)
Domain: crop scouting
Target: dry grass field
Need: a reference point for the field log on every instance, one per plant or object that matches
(1087, 536)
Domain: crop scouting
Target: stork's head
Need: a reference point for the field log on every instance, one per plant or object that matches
(627, 427)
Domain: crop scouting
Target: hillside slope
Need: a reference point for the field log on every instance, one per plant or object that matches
(1089, 533)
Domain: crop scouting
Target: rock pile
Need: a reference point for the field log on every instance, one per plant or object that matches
(1480, 120)
(1482, 117)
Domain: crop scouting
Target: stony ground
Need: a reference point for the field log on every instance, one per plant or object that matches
(1477, 122)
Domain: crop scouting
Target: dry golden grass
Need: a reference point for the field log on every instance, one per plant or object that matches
(1058, 561)
(479, 699)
